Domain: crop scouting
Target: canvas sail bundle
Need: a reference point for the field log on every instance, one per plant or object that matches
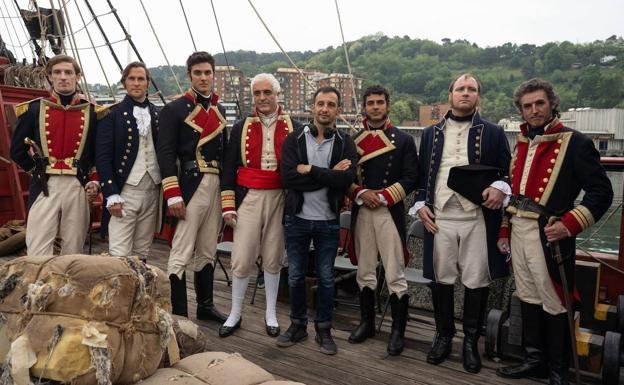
(83, 319)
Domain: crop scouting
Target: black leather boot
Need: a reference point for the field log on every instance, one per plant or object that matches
(475, 302)
(559, 350)
(366, 328)
(443, 312)
(534, 364)
(396, 342)
(178, 295)
(203, 292)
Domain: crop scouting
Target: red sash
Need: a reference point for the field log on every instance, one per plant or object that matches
(258, 179)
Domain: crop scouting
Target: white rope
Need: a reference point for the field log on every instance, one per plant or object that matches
(57, 23)
(110, 89)
(161, 48)
(346, 52)
(21, 23)
(42, 38)
(6, 25)
(72, 43)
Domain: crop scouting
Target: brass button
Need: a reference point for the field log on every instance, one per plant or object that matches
(477, 145)
(120, 171)
(385, 181)
(541, 189)
(545, 180)
(477, 137)
(559, 141)
(556, 150)
(49, 141)
(129, 129)
(125, 157)
(477, 152)
(47, 132)
(110, 181)
(552, 161)
(549, 171)
(125, 113)
(536, 200)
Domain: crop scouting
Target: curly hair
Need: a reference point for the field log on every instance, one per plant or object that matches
(533, 85)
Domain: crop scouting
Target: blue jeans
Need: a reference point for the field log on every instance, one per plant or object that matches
(325, 236)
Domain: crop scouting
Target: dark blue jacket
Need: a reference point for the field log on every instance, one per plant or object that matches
(487, 145)
(117, 145)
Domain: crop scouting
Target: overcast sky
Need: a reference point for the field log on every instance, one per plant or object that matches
(313, 24)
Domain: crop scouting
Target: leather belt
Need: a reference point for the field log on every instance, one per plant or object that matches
(523, 203)
(192, 165)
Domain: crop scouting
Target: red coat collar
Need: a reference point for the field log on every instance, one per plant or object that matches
(552, 128)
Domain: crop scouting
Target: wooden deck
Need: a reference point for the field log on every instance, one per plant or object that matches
(362, 364)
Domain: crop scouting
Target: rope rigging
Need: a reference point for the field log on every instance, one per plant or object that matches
(110, 89)
(134, 48)
(12, 43)
(227, 63)
(305, 78)
(188, 26)
(29, 42)
(346, 52)
(161, 47)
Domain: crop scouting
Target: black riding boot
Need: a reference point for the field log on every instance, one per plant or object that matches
(396, 342)
(443, 311)
(559, 349)
(534, 364)
(178, 295)
(366, 328)
(203, 292)
(475, 302)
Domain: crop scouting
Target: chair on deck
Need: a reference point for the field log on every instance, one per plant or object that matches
(224, 248)
(415, 276)
(342, 264)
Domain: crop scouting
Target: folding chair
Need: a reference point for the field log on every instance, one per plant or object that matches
(223, 248)
(415, 276)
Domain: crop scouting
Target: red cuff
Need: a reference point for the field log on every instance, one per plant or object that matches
(570, 222)
(504, 232)
(388, 197)
(355, 191)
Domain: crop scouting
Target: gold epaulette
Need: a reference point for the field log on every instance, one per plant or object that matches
(21, 108)
(102, 111)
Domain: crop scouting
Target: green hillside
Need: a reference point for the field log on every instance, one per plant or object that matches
(419, 71)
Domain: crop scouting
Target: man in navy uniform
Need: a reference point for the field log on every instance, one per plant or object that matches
(252, 198)
(63, 128)
(387, 173)
(551, 165)
(127, 166)
(461, 236)
(191, 134)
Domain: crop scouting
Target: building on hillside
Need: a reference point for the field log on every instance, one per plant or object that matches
(350, 94)
(229, 85)
(431, 114)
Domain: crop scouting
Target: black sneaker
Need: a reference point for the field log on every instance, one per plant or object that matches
(295, 333)
(326, 342)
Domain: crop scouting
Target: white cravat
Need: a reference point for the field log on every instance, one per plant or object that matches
(143, 119)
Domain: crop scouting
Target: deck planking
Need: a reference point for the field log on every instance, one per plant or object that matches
(361, 364)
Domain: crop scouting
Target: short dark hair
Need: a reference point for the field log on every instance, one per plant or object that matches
(533, 85)
(326, 90)
(62, 59)
(129, 67)
(199, 57)
(376, 89)
(465, 76)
